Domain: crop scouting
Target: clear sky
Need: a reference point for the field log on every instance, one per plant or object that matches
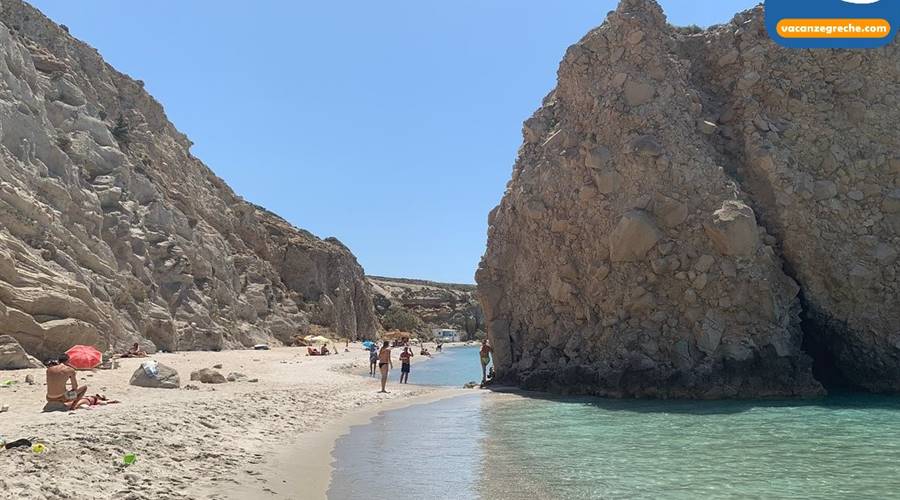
(391, 125)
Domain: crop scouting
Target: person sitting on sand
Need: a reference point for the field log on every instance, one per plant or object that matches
(135, 352)
(405, 359)
(373, 360)
(325, 351)
(312, 351)
(485, 352)
(384, 363)
(57, 376)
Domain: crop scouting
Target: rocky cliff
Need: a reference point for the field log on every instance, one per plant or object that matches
(701, 214)
(436, 305)
(112, 232)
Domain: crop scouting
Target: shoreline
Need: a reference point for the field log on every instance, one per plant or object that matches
(214, 441)
(304, 469)
(293, 464)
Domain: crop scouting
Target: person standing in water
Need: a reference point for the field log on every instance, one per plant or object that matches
(373, 359)
(485, 352)
(384, 363)
(405, 358)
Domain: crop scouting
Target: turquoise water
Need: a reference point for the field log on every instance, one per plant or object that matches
(453, 367)
(501, 446)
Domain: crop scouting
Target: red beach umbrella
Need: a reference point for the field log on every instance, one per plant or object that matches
(84, 357)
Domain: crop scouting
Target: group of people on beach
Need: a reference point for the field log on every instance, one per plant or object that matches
(382, 359)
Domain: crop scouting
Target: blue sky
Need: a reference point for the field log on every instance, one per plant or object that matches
(390, 125)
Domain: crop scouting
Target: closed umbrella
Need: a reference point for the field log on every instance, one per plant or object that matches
(84, 357)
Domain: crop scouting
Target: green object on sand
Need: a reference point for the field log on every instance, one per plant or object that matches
(129, 459)
(8, 382)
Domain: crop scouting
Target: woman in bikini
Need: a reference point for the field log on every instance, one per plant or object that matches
(384, 363)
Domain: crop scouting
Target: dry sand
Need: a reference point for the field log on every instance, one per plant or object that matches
(232, 440)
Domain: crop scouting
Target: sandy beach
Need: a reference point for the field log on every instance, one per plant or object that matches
(270, 438)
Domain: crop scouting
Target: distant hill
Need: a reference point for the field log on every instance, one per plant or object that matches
(422, 305)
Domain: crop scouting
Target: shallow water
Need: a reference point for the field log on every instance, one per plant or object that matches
(841, 447)
(494, 446)
(453, 367)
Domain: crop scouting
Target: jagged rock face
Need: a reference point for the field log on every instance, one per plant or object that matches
(112, 233)
(675, 193)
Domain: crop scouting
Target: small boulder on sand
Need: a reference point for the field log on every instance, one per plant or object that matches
(236, 377)
(208, 376)
(164, 377)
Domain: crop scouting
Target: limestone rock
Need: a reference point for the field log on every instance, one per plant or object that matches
(633, 237)
(13, 357)
(208, 376)
(112, 232)
(732, 171)
(164, 378)
(637, 93)
(733, 229)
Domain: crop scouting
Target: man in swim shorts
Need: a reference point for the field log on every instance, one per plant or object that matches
(384, 363)
(405, 359)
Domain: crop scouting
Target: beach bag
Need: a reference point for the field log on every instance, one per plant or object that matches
(151, 368)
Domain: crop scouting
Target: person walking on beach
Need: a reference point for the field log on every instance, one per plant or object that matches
(384, 363)
(405, 358)
(373, 359)
(485, 352)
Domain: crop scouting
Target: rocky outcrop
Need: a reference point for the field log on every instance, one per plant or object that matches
(14, 357)
(155, 376)
(111, 232)
(437, 305)
(208, 376)
(701, 215)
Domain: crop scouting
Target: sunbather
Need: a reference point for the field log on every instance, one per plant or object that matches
(57, 376)
(135, 352)
(99, 400)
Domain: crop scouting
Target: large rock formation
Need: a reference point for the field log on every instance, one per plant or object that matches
(111, 232)
(701, 214)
